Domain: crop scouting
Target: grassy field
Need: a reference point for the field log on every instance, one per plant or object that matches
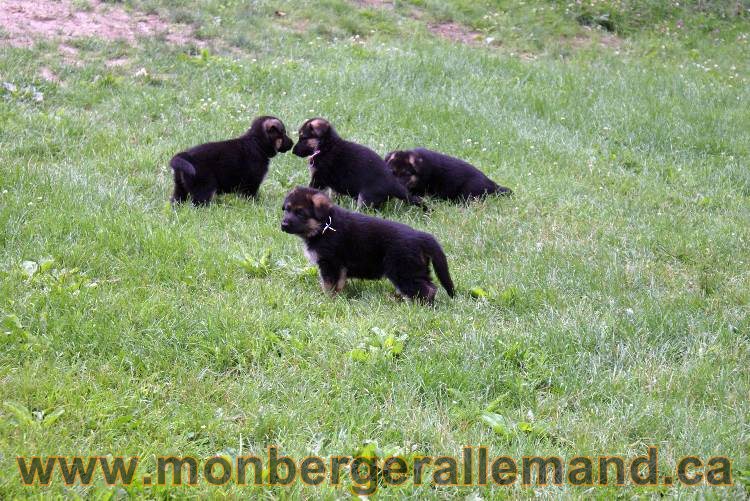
(616, 282)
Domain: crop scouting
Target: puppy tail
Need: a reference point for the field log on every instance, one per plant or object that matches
(440, 263)
(179, 164)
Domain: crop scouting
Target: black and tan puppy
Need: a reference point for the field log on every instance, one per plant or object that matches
(426, 172)
(236, 165)
(345, 244)
(349, 168)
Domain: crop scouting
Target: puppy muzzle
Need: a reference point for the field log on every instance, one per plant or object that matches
(287, 227)
(302, 150)
(286, 145)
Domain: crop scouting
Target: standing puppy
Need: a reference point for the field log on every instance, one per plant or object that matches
(349, 244)
(426, 172)
(349, 168)
(237, 165)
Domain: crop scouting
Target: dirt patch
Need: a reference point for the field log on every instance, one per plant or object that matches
(456, 32)
(612, 41)
(120, 61)
(69, 55)
(453, 31)
(26, 21)
(49, 75)
(378, 4)
(609, 40)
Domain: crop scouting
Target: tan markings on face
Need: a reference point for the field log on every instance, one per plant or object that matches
(279, 142)
(313, 143)
(412, 159)
(313, 226)
(412, 182)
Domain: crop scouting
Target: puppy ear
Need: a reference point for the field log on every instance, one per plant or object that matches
(320, 127)
(273, 126)
(321, 205)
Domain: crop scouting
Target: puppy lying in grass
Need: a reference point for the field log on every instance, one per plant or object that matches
(237, 165)
(345, 244)
(349, 168)
(425, 172)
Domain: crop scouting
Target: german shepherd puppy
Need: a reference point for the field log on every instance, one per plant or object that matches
(349, 168)
(345, 244)
(426, 172)
(236, 165)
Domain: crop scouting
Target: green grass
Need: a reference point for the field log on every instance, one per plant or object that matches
(617, 278)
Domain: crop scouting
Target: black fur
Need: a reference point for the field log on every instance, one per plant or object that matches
(236, 165)
(349, 168)
(349, 244)
(426, 172)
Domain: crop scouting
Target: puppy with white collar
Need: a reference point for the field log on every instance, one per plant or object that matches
(345, 244)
